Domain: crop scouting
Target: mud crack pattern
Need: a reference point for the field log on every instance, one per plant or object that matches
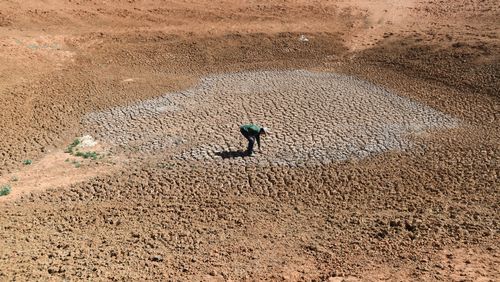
(318, 117)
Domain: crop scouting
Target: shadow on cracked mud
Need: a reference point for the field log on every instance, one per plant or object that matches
(231, 154)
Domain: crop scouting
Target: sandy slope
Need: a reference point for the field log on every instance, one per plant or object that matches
(422, 212)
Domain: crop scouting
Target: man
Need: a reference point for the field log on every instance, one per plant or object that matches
(252, 133)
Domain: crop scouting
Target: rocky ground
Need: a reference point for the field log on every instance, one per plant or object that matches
(390, 170)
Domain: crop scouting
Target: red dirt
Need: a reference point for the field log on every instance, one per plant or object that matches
(427, 214)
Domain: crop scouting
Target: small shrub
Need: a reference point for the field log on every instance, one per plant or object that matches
(86, 155)
(5, 190)
(71, 146)
(76, 142)
(94, 155)
(14, 178)
(27, 162)
(71, 149)
(76, 163)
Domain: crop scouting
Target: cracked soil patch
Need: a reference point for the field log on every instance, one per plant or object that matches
(315, 117)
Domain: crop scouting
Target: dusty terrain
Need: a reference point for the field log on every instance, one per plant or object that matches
(383, 162)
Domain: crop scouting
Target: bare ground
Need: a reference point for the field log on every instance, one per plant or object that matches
(164, 205)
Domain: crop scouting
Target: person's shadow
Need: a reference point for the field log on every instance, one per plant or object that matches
(231, 154)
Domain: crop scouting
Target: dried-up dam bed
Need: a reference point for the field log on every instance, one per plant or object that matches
(314, 117)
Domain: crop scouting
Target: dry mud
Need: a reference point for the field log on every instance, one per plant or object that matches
(391, 171)
(315, 117)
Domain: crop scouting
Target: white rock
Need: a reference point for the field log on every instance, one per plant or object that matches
(87, 141)
(303, 38)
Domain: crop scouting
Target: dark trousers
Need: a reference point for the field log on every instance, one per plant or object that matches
(251, 141)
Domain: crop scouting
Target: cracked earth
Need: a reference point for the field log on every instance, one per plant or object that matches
(121, 151)
(316, 117)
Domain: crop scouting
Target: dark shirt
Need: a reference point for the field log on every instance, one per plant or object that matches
(253, 131)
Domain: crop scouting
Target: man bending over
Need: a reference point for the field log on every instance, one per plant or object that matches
(252, 133)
